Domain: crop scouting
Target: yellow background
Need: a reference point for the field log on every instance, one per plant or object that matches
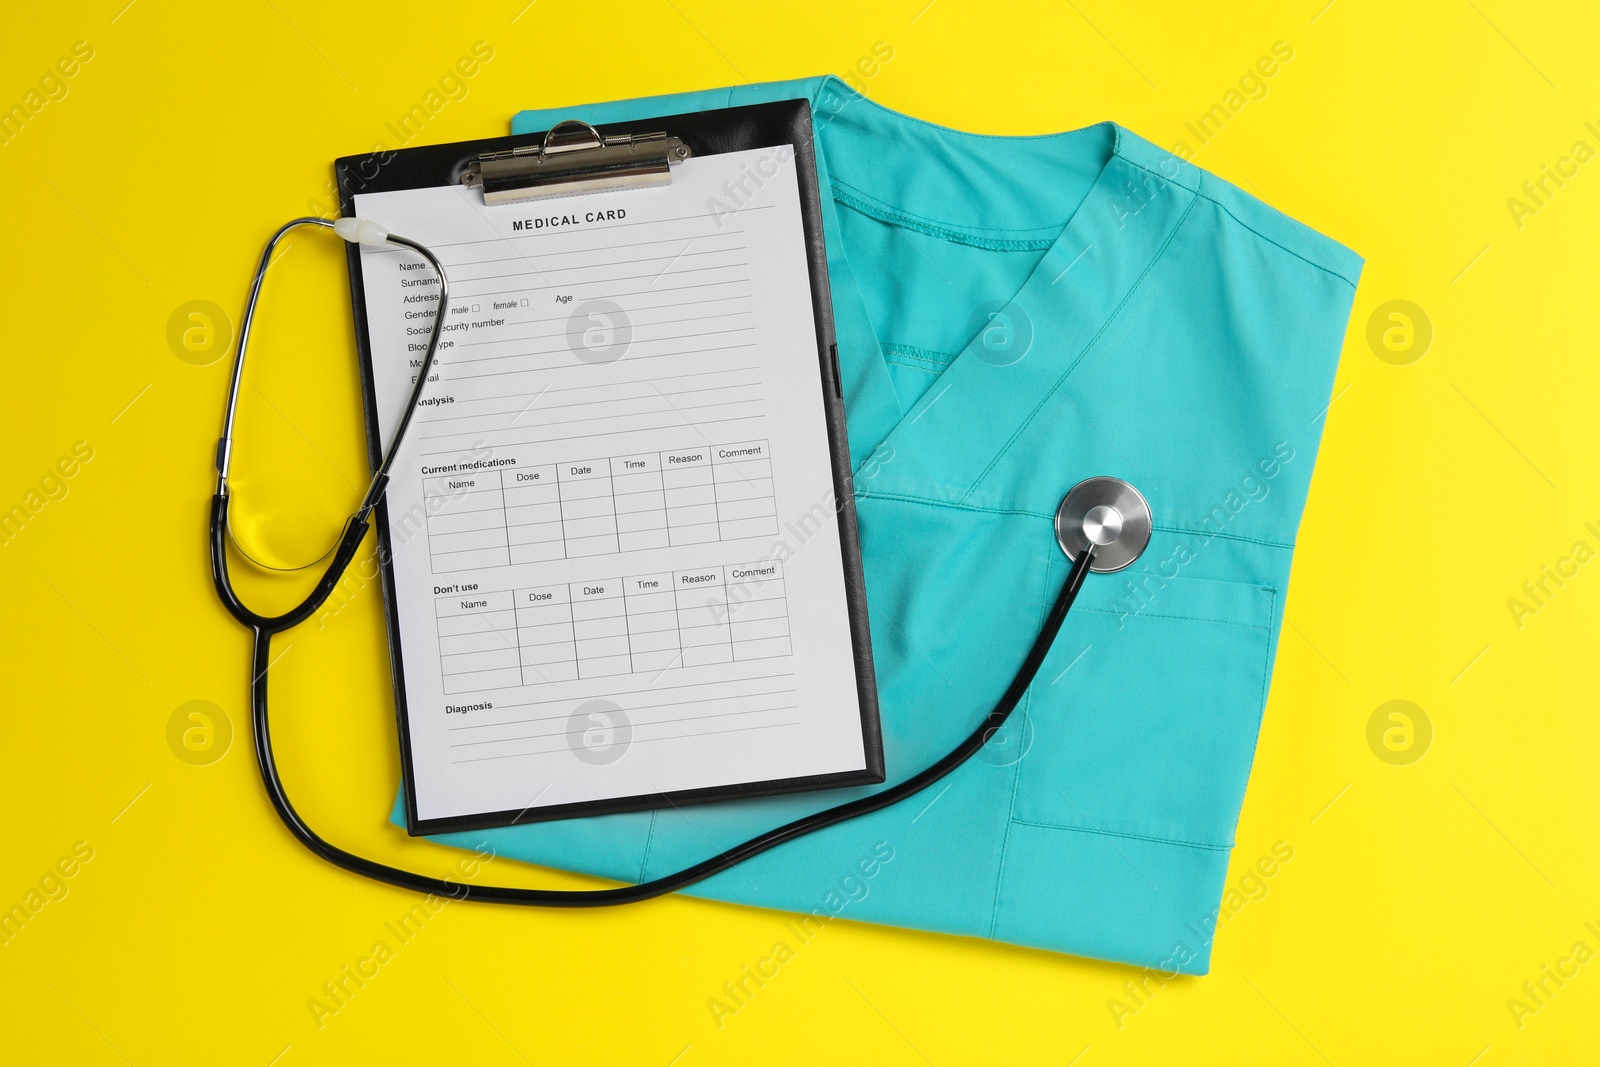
(1420, 897)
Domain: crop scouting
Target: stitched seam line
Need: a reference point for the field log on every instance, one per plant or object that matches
(1175, 618)
(1116, 150)
(927, 355)
(1036, 515)
(1117, 833)
(1266, 678)
(1040, 232)
(931, 229)
(908, 498)
(856, 97)
(864, 495)
(921, 368)
(1095, 340)
(1207, 534)
(1197, 191)
(1016, 772)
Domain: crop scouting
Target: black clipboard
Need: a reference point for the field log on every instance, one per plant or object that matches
(714, 132)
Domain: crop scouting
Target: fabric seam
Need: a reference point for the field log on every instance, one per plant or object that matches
(1228, 536)
(1095, 340)
(929, 228)
(1220, 206)
(1016, 768)
(856, 96)
(874, 203)
(1181, 618)
(942, 359)
(922, 368)
(908, 498)
(1266, 681)
(1128, 836)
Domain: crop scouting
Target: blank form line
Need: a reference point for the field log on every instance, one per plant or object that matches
(562, 331)
(625, 245)
(677, 289)
(559, 349)
(590, 403)
(602, 385)
(456, 279)
(636, 707)
(457, 292)
(575, 365)
(596, 433)
(636, 726)
(593, 418)
(637, 741)
(619, 693)
(658, 292)
(689, 303)
(596, 248)
(536, 393)
(594, 281)
(564, 362)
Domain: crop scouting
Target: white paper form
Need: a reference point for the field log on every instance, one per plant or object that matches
(617, 562)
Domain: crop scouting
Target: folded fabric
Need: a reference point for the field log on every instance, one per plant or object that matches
(1015, 314)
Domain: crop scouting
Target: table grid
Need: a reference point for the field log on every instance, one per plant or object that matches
(643, 624)
(590, 507)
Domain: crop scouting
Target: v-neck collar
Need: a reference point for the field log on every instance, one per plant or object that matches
(943, 445)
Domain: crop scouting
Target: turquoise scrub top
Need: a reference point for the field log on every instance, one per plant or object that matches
(1015, 314)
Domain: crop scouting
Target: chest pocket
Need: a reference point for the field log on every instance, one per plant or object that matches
(1144, 722)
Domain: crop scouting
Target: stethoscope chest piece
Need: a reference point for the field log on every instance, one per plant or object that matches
(1109, 513)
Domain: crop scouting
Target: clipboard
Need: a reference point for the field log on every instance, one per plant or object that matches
(571, 158)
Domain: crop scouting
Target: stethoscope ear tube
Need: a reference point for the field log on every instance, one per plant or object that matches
(355, 231)
(344, 552)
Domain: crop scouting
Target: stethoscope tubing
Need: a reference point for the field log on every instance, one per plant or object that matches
(260, 669)
(264, 627)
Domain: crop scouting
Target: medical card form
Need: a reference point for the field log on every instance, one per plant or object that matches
(617, 565)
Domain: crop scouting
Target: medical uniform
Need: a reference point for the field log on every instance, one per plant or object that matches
(1015, 314)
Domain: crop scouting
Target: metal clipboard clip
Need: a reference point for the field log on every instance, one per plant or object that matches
(575, 158)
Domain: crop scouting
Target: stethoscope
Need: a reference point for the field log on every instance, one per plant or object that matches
(1103, 524)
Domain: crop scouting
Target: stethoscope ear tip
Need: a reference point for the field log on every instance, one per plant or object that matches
(1108, 513)
(361, 231)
